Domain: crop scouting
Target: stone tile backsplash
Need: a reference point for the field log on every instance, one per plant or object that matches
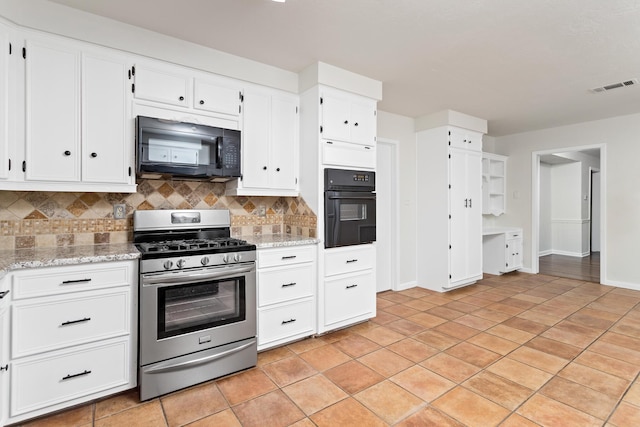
(44, 219)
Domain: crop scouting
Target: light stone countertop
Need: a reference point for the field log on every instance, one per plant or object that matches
(279, 240)
(11, 260)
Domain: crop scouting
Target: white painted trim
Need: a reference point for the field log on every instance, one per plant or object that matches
(545, 253)
(406, 285)
(535, 205)
(626, 285)
(395, 184)
(567, 253)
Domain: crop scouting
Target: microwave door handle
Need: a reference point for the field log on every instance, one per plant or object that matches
(219, 152)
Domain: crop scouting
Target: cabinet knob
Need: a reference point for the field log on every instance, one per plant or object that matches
(94, 155)
(264, 168)
(346, 122)
(355, 124)
(67, 153)
(277, 169)
(201, 102)
(181, 98)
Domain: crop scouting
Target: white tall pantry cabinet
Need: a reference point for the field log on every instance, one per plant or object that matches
(449, 202)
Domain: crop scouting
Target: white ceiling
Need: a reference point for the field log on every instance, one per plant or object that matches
(521, 64)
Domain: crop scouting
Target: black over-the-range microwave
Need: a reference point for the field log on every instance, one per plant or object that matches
(188, 150)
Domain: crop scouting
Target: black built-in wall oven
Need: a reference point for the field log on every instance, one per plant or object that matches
(349, 207)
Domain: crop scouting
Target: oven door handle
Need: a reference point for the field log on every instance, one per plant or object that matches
(172, 366)
(353, 197)
(190, 277)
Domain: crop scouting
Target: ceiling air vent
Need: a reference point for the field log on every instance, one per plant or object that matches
(615, 86)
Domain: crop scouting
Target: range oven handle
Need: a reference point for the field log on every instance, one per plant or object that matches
(188, 277)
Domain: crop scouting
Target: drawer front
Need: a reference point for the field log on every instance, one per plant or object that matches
(286, 256)
(44, 381)
(349, 259)
(349, 297)
(336, 153)
(285, 284)
(54, 323)
(466, 140)
(513, 235)
(285, 321)
(61, 280)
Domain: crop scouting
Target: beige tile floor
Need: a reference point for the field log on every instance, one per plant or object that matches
(513, 350)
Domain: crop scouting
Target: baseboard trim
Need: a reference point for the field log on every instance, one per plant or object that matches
(406, 285)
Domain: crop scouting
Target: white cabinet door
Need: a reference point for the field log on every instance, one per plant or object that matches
(52, 111)
(4, 104)
(466, 216)
(284, 142)
(162, 83)
(107, 138)
(217, 95)
(363, 122)
(256, 139)
(513, 252)
(335, 116)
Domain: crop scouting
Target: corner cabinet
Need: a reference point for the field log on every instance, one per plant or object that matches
(449, 207)
(270, 139)
(286, 294)
(78, 133)
(73, 335)
(494, 184)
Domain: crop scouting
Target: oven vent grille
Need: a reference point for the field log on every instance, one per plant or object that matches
(625, 83)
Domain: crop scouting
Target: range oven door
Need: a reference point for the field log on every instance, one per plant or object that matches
(350, 218)
(186, 311)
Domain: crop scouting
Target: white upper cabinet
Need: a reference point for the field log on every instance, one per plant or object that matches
(217, 95)
(77, 127)
(494, 184)
(174, 92)
(347, 117)
(52, 111)
(269, 144)
(162, 83)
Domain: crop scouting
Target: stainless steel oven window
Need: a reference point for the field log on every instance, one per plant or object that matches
(192, 307)
(353, 211)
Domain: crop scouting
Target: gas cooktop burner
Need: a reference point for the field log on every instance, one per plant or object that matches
(191, 245)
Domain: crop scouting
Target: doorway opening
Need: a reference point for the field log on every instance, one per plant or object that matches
(387, 205)
(568, 213)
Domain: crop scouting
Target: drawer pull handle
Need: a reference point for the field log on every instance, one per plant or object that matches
(349, 261)
(284, 322)
(286, 285)
(70, 282)
(3, 294)
(68, 377)
(351, 286)
(4, 368)
(73, 322)
(290, 257)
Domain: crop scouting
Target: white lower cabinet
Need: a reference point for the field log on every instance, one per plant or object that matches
(348, 292)
(4, 349)
(73, 335)
(286, 280)
(501, 250)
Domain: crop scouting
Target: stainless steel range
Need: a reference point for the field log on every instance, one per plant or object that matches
(197, 299)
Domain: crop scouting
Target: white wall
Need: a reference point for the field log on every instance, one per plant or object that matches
(566, 210)
(622, 228)
(401, 129)
(544, 234)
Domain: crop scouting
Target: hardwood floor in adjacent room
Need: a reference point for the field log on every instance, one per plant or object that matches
(579, 268)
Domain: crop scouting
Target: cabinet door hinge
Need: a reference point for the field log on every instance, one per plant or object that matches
(24, 52)
(296, 181)
(449, 246)
(241, 96)
(129, 74)
(449, 216)
(375, 113)
(296, 110)
(24, 166)
(321, 100)
(133, 88)
(10, 49)
(449, 155)
(9, 164)
(320, 129)
(133, 70)
(449, 186)
(449, 277)
(239, 109)
(507, 246)
(129, 170)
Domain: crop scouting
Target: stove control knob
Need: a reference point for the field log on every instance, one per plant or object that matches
(236, 257)
(168, 264)
(181, 263)
(204, 260)
(225, 259)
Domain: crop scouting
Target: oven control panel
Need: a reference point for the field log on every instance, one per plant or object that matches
(159, 265)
